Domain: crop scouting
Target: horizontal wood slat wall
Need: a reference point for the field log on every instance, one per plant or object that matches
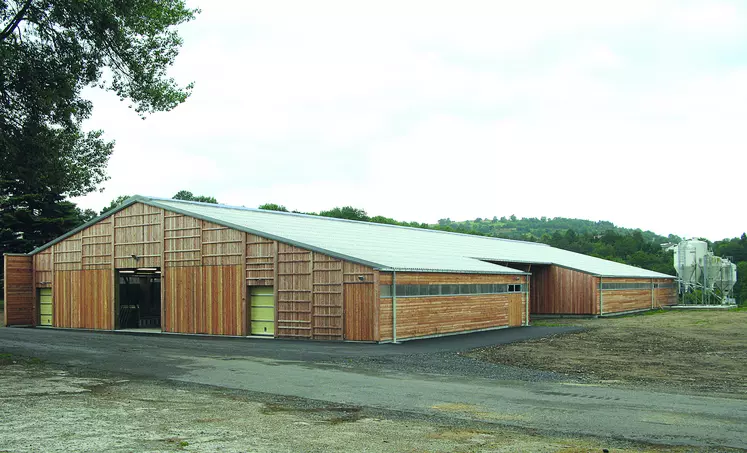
(422, 316)
(19, 293)
(617, 300)
(665, 296)
(83, 299)
(558, 290)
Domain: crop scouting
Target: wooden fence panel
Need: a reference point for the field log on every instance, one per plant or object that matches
(19, 292)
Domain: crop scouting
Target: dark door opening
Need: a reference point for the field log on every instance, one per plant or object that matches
(139, 299)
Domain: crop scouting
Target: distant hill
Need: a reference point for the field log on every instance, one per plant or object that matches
(534, 229)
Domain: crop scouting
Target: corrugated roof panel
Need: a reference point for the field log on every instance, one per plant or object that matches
(395, 247)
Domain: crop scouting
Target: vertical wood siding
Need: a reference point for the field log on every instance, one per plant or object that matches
(204, 299)
(221, 245)
(138, 230)
(83, 299)
(19, 293)
(260, 261)
(43, 269)
(558, 290)
(68, 254)
(422, 316)
(327, 298)
(222, 300)
(293, 292)
(182, 240)
(361, 307)
(182, 301)
(97, 245)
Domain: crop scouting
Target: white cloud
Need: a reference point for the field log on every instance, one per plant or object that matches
(623, 111)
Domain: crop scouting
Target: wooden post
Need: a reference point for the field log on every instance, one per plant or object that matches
(244, 310)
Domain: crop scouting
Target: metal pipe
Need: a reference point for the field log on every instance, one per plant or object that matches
(528, 299)
(394, 306)
(652, 293)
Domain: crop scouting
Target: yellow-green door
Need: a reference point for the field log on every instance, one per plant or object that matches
(262, 310)
(45, 306)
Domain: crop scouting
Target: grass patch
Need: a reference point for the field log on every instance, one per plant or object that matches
(739, 308)
(2, 304)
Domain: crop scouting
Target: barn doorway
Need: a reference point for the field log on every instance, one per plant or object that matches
(139, 299)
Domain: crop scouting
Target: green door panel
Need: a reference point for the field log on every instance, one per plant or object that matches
(262, 310)
(45, 306)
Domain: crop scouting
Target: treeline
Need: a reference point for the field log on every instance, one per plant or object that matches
(600, 239)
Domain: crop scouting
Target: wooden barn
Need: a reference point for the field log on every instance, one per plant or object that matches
(197, 268)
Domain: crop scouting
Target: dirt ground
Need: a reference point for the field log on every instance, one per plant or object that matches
(47, 408)
(703, 352)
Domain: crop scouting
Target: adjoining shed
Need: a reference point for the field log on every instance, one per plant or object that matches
(199, 268)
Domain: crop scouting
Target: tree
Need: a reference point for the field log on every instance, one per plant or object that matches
(273, 207)
(346, 212)
(189, 196)
(50, 51)
(115, 202)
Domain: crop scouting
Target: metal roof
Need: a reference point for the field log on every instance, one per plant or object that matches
(389, 247)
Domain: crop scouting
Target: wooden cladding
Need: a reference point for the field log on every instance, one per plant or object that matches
(260, 261)
(97, 245)
(43, 269)
(19, 293)
(204, 299)
(182, 240)
(622, 300)
(417, 317)
(558, 290)
(435, 315)
(138, 236)
(327, 298)
(665, 296)
(294, 292)
(83, 299)
(222, 246)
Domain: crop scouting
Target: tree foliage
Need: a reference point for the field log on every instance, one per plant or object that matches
(49, 52)
(115, 202)
(273, 207)
(189, 196)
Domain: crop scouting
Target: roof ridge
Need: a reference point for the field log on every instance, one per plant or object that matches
(316, 216)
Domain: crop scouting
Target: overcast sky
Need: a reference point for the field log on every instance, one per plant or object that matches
(633, 112)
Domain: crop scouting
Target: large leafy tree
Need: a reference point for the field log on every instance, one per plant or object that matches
(49, 52)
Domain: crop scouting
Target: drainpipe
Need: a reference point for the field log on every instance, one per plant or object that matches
(601, 297)
(652, 293)
(528, 300)
(394, 306)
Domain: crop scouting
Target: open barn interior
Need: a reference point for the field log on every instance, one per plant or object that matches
(139, 298)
